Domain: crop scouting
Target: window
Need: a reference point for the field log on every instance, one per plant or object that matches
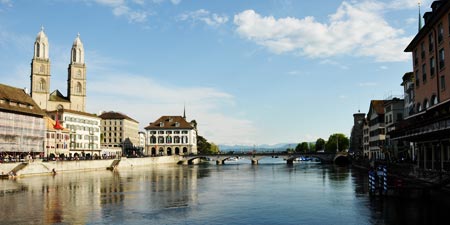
(441, 58)
(422, 48)
(440, 33)
(430, 42)
(432, 66)
(416, 59)
(442, 83)
(417, 78)
(448, 23)
(42, 85)
(79, 87)
(424, 73)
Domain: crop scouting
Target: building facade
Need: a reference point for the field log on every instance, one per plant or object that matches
(57, 140)
(428, 128)
(84, 130)
(41, 77)
(377, 136)
(171, 135)
(393, 113)
(22, 126)
(119, 131)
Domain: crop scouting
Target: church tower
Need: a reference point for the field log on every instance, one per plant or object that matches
(76, 83)
(40, 71)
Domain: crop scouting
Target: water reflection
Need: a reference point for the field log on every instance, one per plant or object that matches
(209, 194)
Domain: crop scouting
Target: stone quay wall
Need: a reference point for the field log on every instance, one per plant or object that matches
(38, 167)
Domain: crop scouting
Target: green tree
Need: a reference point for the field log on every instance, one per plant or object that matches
(214, 148)
(320, 144)
(203, 146)
(302, 147)
(336, 140)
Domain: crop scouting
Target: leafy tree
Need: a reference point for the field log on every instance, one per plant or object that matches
(320, 144)
(312, 147)
(214, 148)
(336, 140)
(203, 146)
(302, 147)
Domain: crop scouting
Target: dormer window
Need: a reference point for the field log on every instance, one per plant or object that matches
(177, 124)
(170, 119)
(161, 124)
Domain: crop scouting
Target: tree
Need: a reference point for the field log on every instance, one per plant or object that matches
(302, 147)
(336, 140)
(203, 146)
(320, 144)
(214, 148)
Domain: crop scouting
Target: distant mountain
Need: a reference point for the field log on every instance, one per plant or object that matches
(265, 147)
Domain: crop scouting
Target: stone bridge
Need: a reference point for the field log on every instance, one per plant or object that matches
(340, 157)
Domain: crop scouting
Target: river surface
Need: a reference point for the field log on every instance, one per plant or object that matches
(235, 193)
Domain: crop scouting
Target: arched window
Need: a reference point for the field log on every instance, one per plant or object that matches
(38, 49)
(43, 50)
(153, 140)
(419, 107)
(169, 139)
(434, 100)
(177, 139)
(42, 85)
(79, 88)
(160, 140)
(426, 104)
(79, 55)
(74, 55)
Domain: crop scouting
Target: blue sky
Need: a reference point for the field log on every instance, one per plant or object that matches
(250, 72)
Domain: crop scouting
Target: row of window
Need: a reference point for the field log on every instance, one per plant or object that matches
(85, 146)
(169, 132)
(74, 137)
(110, 122)
(432, 68)
(74, 128)
(169, 140)
(426, 103)
(58, 136)
(78, 120)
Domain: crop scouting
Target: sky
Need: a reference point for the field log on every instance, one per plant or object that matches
(249, 72)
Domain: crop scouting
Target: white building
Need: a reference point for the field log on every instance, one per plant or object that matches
(171, 135)
(84, 131)
(377, 135)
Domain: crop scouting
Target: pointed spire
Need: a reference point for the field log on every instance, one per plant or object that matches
(184, 112)
(420, 17)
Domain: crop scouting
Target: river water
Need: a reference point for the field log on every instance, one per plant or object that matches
(235, 193)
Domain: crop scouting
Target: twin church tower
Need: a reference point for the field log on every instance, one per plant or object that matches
(40, 77)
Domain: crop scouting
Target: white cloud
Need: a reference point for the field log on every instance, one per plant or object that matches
(145, 100)
(120, 8)
(211, 19)
(356, 28)
(7, 3)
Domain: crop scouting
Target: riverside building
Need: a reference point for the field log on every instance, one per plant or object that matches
(171, 135)
(22, 125)
(428, 126)
(84, 131)
(57, 139)
(120, 133)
